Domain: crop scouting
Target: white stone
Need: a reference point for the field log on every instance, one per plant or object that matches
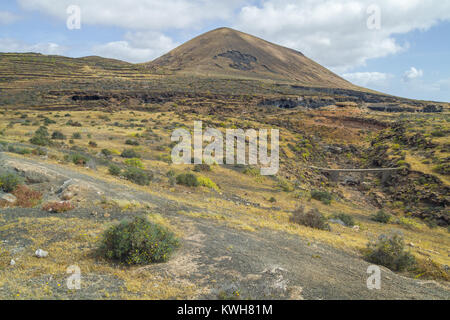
(8, 197)
(41, 253)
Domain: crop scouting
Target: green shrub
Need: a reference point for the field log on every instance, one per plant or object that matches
(9, 182)
(106, 152)
(207, 182)
(76, 136)
(19, 150)
(93, 144)
(188, 179)
(41, 137)
(322, 196)
(202, 167)
(134, 162)
(438, 133)
(137, 176)
(285, 185)
(129, 153)
(252, 171)
(442, 169)
(58, 135)
(138, 241)
(389, 251)
(114, 170)
(132, 142)
(313, 219)
(345, 218)
(79, 159)
(381, 217)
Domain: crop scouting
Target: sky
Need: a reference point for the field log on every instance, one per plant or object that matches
(400, 47)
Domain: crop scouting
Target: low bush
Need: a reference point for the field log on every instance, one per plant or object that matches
(76, 136)
(322, 196)
(9, 182)
(79, 159)
(19, 150)
(41, 137)
(58, 207)
(26, 197)
(93, 144)
(58, 135)
(132, 142)
(285, 185)
(389, 251)
(345, 218)
(202, 167)
(137, 176)
(442, 169)
(138, 241)
(134, 162)
(313, 219)
(188, 179)
(207, 182)
(381, 217)
(129, 153)
(252, 171)
(114, 170)
(106, 152)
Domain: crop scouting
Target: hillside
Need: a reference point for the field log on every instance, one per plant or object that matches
(230, 53)
(86, 143)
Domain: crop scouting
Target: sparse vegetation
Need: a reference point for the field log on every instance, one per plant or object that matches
(323, 196)
(137, 176)
(389, 251)
(381, 217)
(312, 218)
(9, 182)
(345, 218)
(188, 179)
(138, 241)
(129, 153)
(58, 207)
(114, 170)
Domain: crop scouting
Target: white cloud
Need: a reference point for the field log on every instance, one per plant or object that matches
(335, 33)
(8, 17)
(137, 47)
(12, 45)
(377, 79)
(140, 14)
(412, 74)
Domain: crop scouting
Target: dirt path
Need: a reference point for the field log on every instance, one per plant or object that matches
(266, 264)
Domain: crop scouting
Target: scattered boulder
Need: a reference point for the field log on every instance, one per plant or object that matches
(8, 197)
(338, 221)
(41, 253)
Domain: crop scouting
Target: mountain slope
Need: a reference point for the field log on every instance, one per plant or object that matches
(230, 53)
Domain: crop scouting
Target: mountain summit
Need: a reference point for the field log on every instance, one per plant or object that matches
(225, 52)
